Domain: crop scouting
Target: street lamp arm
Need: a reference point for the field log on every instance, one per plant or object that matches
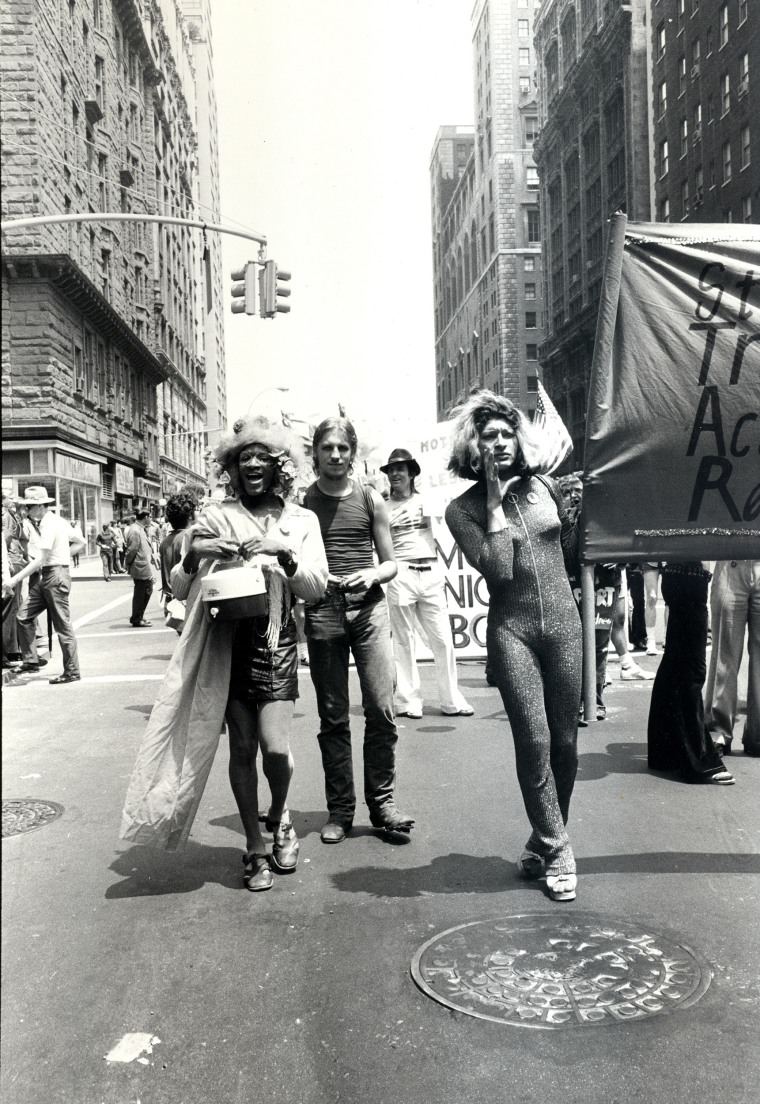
(118, 216)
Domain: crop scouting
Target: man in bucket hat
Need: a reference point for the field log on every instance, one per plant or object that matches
(418, 594)
(49, 575)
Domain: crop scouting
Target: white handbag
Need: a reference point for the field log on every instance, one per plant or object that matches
(234, 590)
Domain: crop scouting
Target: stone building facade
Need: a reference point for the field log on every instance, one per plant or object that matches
(102, 383)
(593, 157)
(706, 79)
(486, 221)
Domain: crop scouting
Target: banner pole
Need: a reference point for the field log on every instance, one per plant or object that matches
(588, 620)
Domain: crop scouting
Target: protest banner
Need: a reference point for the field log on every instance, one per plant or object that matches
(673, 424)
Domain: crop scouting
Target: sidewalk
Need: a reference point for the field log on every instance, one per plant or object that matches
(90, 567)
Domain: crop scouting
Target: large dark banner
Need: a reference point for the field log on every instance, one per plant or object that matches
(673, 426)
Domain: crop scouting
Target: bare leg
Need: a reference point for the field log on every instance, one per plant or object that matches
(242, 723)
(651, 578)
(274, 721)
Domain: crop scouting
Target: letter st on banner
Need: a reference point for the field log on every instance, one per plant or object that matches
(672, 461)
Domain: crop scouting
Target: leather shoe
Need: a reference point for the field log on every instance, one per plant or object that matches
(285, 848)
(333, 832)
(388, 819)
(140, 624)
(61, 679)
(257, 874)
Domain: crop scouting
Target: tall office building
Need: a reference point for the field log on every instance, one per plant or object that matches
(706, 76)
(593, 157)
(486, 223)
(103, 389)
(198, 16)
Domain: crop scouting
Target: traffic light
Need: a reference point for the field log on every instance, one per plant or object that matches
(270, 290)
(244, 289)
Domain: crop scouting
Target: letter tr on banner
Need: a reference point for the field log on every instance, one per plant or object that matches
(672, 463)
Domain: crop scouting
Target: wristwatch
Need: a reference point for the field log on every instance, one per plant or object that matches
(288, 561)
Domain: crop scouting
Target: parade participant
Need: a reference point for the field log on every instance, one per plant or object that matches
(735, 603)
(49, 574)
(418, 589)
(352, 618)
(16, 544)
(606, 590)
(677, 736)
(248, 669)
(138, 559)
(180, 512)
(512, 528)
(107, 545)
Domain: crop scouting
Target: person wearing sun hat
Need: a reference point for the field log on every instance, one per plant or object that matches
(244, 671)
(49, 575)
(418, 592)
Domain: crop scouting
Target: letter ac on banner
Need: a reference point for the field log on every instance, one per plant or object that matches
(672, 461)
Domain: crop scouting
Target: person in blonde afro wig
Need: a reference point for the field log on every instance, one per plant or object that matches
(243, 672)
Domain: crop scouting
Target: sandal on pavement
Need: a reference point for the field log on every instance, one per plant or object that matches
(388, 819)
(719, 778)
(257, 874)
(530, 865)
(285, 848)
(561, 887)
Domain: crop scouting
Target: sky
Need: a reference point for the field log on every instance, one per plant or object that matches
(328, 111)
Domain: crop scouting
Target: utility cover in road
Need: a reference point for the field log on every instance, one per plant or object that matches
(556, 971)
(26, 814)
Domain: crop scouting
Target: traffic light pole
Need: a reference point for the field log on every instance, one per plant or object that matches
(118, 216)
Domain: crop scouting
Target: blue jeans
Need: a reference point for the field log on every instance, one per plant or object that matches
(335, 628)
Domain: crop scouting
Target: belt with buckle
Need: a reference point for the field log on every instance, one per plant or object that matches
(419, 566)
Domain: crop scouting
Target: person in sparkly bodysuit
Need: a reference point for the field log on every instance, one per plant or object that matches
(512, 528)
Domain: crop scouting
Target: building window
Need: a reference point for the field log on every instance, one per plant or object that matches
(697, 123)
(531, 129)
(684, 137)
(710, 109)
(662, 161)
(661, 40)
(492, 234)
(531, 177)
(723, 24)
(712, 174)
(681, 75)
(743, 88)
(726, 162)
(662, 98)
(105, 272)
(699, 182)
(725, 93)
(532, 382)
(530, 320)
(523, 28)
(530, 291)
(534, 226)
(665, 210)
(747, 204)
(529, 264)
(681, 14)
(745, 146)
(523, 56)
(524, 86)
(742, 12)
(684, 199)
(100, 83)
(695, 58)
(531, 352)
(102, 181)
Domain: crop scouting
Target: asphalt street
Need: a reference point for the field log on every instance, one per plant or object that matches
(131, 975)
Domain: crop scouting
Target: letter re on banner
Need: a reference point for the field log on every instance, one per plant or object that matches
(673, 430)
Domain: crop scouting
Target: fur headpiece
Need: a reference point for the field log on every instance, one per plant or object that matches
(279, 441)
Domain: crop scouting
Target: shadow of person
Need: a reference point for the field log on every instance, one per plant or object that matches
(626, 758)
(149, 872)
(453, 873)
(305, 823)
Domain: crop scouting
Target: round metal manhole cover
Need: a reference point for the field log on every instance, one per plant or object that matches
(26, 814)
(549, 971)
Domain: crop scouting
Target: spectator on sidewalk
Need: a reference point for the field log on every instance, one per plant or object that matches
(418, 592)
(677, 737)
(15, 541)
(119, 545)
(49, 576)
(106, 544)
(735, 602)
(80, 538)
(139, 563)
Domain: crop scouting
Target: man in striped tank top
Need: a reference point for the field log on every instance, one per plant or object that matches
(352, 619)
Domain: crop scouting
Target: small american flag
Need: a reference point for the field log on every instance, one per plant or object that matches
(554, 443)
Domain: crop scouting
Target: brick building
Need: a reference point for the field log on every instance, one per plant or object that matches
(593, 157)
(706, 76)
(486, 224)
(102, 383)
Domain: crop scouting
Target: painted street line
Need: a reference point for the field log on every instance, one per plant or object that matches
(118, 633)
(103, 609)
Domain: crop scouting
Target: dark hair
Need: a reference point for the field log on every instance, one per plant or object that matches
(342, 425)
(180, 509)
(141, 514)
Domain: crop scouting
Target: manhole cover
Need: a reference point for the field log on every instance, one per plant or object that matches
(26, 814)
(549, 971)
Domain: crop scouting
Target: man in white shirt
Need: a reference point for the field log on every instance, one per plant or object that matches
(49, 574)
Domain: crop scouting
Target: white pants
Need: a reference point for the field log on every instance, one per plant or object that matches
(420, 594)
(735, 607)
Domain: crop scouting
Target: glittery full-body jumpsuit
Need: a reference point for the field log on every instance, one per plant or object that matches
(534, 647)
